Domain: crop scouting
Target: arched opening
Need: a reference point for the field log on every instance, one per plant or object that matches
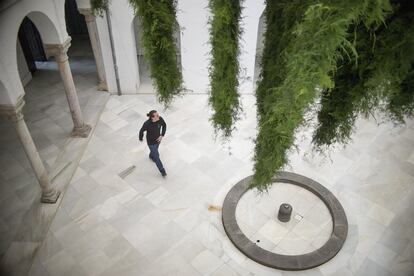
(46, 109)
(29, 46)
(19, 186)
(34, 149)
(31, 144)
(146, 84)
(80, 52)
(259, 49)
(75, 22)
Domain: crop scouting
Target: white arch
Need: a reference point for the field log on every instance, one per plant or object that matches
(51, 28)
(45, 26)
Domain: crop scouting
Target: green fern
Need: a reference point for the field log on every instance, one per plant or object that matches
(224, 68)
(159, 25)
(381, 80)
(99, 6)
(320, 39)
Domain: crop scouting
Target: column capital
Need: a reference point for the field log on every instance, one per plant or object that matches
(14, 113)
(59, 51)
(89, 16)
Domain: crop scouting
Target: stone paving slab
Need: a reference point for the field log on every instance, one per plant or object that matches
(114, 214)
(47, 115)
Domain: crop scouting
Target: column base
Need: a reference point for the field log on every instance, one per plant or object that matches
(81, 132)
(102, 86)
(50, 197)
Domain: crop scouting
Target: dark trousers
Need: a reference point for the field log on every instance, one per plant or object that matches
(155, 156)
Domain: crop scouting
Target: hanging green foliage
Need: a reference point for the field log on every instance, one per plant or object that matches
(99, 6)
(394, 55)
(320, 39)
(401, 104)
(280, 18)
(382, 80)
(339, 109)
(159, 25)
(341, 105)
(224, 69)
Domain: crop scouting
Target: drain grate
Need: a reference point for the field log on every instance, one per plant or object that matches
(127, 172)
(298, 217)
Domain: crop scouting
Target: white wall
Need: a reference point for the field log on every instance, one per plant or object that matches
(138, 36)
(259, 49)
(122, 16)
(192, 17)
(102, 25)
(6, 94)
(251, 15)
(195, 49)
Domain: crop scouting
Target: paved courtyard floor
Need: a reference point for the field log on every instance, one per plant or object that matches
(120, 217)
(309, 227)
(23, 220)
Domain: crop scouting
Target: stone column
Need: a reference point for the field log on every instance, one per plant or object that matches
(59, 51)
(96, 47)
(15, 115)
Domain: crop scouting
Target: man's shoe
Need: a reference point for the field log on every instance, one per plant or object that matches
(164, 174)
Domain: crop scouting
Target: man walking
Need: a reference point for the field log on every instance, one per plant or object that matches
(155, 127)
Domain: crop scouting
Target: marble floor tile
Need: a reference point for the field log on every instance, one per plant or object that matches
(371, 268)
(143, 224)
(49, 121)
(225, 270)
(206, 262)
(382, 255)
(60, 264)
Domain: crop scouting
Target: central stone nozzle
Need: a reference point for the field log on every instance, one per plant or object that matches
(285, 211)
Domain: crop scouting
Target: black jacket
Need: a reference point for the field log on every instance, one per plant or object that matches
(153, 130)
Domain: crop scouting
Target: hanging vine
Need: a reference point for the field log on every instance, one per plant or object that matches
(159, 25)
(395, 59)
(382, 80)
(341, 105)
(224, 68)
(319, 40)
(359, 54)
(99, 6)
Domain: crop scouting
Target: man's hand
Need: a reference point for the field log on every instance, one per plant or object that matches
(159, 139)
(141, 140)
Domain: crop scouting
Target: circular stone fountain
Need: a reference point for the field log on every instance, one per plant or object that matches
(274, 259)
